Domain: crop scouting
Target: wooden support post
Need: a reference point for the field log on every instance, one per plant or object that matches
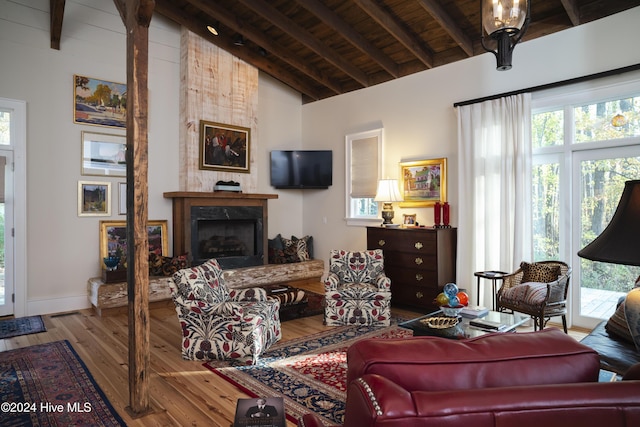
(136, 15)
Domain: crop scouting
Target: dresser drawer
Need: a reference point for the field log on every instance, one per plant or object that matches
(420, 297)
(411, 276)
(419, 241)
(410, 260)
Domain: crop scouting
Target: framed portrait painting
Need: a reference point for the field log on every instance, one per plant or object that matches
(224, 147)
(113, 238)
(99, 102)
(94, 198)
(424, 182)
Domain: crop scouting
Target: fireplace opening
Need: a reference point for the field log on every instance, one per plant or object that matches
(232, 235)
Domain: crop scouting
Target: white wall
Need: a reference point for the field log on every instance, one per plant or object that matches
(420, 122)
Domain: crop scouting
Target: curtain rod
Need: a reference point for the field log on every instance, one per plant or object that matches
(552, 85)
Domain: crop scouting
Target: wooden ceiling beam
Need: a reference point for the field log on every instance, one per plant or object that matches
(434, 9)
(573, 12)
(167, 8)
(250, 33)
(298, 33)
(56, 11)
(333, 20)
(397, 30)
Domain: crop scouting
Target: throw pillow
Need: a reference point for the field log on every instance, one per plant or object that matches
(617, 325)
(537, 272)
(165, 266)
(292, 250)
(307, 241)
(276, 250)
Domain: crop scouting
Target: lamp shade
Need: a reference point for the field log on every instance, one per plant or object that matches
(388, 191)
(619, 243)
(504, 15)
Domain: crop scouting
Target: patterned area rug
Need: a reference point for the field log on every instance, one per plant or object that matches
(48, 385)
(310, 373)
(21, 326)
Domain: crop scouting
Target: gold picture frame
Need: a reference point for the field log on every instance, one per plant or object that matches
(94, 198)
(113, 238)
(409, 220)
(424, 182)
(224, 147)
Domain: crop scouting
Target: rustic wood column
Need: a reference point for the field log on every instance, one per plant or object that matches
(136, 15)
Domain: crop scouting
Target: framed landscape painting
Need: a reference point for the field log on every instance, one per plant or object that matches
(94, 198)
(424, 182)
(224, 147)
(113, 238)
(99, 102)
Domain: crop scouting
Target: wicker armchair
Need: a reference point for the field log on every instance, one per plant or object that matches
(537, 289)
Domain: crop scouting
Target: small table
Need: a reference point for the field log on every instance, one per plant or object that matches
(464, 329)
(494, 276)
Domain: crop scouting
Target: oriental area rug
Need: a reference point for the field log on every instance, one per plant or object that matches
(309, 373)
(48, 385)
(21, 326)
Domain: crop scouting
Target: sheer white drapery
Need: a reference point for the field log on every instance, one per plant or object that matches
(494, 145)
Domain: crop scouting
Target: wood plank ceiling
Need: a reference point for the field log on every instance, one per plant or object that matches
(323, 48)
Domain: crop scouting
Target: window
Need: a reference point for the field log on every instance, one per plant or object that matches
(363, 167)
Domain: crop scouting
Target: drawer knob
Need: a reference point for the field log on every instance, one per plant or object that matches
(419, 261)
(418, 245)
(419, 295)
(381, 242)
(419, 277)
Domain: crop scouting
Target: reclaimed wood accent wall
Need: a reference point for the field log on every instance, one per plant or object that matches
(217, 87)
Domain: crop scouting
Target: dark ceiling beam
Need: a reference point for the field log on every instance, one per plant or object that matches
(56, 10)
(196, 26)
(397, 30)
(227, 19)
(434, 9)
(276, 18)
(573, 12)
(333, 20)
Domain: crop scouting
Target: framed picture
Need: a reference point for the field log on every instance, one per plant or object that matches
(94, 198)
(99, 102)
(113, 238)
(409, 219)
(424, 182)
(122, 198)
(104, 154)
(224, 147)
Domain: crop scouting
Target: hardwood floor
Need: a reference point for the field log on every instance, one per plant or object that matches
(182, 392)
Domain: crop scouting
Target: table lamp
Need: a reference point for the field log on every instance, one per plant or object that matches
(388, 193)
(619, 243)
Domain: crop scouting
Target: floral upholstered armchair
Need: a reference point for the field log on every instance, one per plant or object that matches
(222, 323)
(357, 291)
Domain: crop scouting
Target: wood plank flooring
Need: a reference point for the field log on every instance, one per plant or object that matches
(182, 392)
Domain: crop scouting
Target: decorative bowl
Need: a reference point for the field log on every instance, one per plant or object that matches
(111, 262)
(451, 311)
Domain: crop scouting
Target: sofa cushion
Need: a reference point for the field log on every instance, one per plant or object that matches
(530, 294)
(166, 266)
(202, 283)
(617, 324)
(537, 272)
(616, 354)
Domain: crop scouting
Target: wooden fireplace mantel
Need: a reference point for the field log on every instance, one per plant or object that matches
(183, 201)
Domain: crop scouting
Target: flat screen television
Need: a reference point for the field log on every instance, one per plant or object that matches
(301, 168)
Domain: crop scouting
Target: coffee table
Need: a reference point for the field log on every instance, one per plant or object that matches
(464, 329)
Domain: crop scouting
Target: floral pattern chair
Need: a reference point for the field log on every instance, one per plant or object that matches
(222, 323)
(357, 291)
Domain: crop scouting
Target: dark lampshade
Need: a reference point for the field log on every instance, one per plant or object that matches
(619, 243)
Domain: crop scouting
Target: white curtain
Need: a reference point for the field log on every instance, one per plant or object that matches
(494, 232)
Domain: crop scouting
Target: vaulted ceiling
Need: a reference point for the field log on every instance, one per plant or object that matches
(323, 48)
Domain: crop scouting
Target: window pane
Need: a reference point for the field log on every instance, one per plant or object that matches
(547, 129)
(546, 212)
(5, 128)
(608, 120)
(365, 207)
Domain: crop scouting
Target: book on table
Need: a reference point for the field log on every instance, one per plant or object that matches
(474, 311)
(488, 325)
(260, 412)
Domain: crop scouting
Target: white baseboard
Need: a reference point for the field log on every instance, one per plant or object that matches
(57, 305)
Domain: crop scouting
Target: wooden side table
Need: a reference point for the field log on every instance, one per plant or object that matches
(494, 276)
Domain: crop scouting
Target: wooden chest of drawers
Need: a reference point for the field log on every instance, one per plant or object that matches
(419, 262)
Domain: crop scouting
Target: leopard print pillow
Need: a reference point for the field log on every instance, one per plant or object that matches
(537, 272)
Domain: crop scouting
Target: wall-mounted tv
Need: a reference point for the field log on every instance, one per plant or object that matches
(301, 168)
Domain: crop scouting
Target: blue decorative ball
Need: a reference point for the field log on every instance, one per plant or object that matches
(454, 301)
(450, 290)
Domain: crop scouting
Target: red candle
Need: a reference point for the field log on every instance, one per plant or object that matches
(436, 214)
(445, 213)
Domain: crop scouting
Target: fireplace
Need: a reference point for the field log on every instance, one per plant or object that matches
(231, 227)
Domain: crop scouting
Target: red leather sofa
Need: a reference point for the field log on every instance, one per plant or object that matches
(544, 378)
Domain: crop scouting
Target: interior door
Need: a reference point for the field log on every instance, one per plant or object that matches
(6, 232)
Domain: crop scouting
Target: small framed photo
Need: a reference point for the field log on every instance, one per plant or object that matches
(224, 147)
(409, 219)
(424, 182)
(104, 154)
(122, 198)
(113, 238)
(94, 198)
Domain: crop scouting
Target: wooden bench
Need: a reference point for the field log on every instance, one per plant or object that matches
(109, 299)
